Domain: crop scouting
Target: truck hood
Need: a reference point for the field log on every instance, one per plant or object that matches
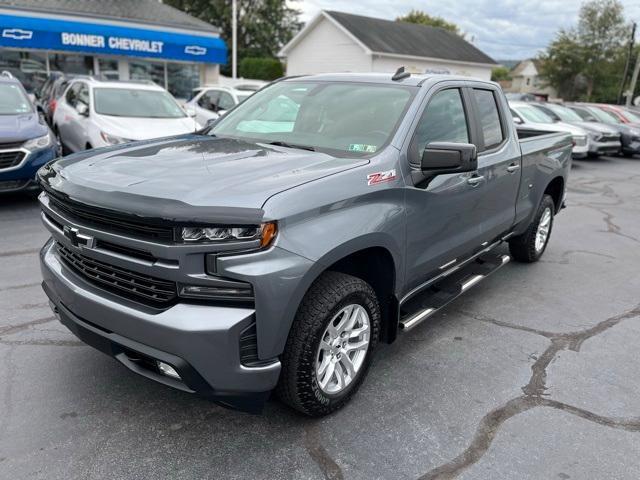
(191, 177)
(17, 128)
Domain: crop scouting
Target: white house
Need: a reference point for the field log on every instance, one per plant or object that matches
(342, 42)
(526, 79)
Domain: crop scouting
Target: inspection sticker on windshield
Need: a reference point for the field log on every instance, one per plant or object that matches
(381, 177)
(362, 147)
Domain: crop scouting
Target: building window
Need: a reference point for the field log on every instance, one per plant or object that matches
(528, 81)
(108, 68)
(143, 70)
(182, 79)
(71, 63)
(29, 67)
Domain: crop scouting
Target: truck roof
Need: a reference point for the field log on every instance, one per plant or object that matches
(412, 80)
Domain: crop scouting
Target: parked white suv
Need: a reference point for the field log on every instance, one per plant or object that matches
(93, 113)
(528, 116)
(208, 103)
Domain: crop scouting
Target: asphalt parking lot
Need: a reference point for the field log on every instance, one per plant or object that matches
(533, 374)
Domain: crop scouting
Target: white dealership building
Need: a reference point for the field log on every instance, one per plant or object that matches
(342, 42)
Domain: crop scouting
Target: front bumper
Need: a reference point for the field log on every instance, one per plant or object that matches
(604, 148)
(200, 341)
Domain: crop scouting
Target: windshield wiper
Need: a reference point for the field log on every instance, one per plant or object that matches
(279, 143)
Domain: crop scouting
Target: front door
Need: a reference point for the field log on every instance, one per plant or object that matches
(443, 214)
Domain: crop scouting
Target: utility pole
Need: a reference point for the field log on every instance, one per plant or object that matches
(634, 80)
(234, 39)
(627, 63)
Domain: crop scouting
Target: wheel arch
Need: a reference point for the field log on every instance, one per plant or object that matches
(555, 189)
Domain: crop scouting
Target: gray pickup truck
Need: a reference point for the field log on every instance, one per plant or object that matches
(276, 248)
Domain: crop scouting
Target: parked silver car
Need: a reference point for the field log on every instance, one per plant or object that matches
(603, 139)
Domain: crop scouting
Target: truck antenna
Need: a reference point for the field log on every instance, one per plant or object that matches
(400, 74)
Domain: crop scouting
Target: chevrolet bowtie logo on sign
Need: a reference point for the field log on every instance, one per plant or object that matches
(17, 34)
(195, 50)
(78, 239)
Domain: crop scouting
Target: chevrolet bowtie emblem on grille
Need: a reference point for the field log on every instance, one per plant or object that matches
(78, 239)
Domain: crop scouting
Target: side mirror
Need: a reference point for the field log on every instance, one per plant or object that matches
(82, 109)
(444, 157)
(517, 120)
(211, 122)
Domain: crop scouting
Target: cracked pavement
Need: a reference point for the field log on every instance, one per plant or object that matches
(533, 374)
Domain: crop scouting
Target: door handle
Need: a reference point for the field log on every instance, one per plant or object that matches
(513, 167)
(475, 180)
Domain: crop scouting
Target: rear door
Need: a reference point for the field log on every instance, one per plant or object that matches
(499, 161)
(65, 112)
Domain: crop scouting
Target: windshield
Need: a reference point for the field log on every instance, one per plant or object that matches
(242, 96)
(565, 114)
(533, 114)
(131, 102)
(358, 118)
(603, 116)
(632, 117)
(13, 101)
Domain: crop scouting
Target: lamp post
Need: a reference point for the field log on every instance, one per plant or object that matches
(234, 39)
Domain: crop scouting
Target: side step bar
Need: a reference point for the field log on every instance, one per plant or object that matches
(420, 307)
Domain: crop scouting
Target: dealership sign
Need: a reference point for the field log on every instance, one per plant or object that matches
(95, 38)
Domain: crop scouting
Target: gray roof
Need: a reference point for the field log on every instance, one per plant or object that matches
(401, 38)
(139, 11)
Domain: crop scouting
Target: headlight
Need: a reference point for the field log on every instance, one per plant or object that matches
(40, 142)
(265, 233)
(113, 140)
(579, 140)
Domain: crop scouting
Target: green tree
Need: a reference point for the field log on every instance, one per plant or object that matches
(500, 73)
(261, 68)
(418, 16)
(264, 26)
(586, 62)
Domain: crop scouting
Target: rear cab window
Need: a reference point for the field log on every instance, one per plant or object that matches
(489, 118)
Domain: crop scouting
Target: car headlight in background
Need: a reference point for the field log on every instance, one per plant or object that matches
(596, 137)
(579, 140)
(38, 143)
(113, 139)
(265, 233)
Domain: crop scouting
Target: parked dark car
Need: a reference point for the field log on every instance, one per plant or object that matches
(629, 134)
(274, 250)
(26, 142)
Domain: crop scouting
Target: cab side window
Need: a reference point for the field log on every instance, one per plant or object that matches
(83, 94)
(209, 100)
(489, 118)
(72, 94)
(444, 120)
(226, 101)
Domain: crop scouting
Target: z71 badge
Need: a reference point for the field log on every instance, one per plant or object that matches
(381, 177)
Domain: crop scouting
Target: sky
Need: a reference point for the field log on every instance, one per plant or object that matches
(504, 29)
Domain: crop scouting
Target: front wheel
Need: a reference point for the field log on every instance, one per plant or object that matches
(330, 345)
(530, 246)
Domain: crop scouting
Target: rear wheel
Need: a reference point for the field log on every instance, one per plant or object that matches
(530, 246)
(330, 345)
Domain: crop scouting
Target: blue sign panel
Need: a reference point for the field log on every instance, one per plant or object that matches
(94, 38)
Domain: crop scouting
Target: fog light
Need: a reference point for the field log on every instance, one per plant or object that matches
(168, 370)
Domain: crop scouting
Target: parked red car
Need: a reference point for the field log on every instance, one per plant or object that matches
(621, 113)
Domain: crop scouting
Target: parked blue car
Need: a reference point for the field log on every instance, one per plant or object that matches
(26, 142)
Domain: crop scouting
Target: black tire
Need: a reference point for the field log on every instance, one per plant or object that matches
(298, 386)
(523, 247)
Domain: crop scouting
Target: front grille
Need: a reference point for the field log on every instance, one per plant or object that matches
(610, 138)
(138, 287)
(110, 221)
(11, 145)
(12, 184)
(10, 159)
